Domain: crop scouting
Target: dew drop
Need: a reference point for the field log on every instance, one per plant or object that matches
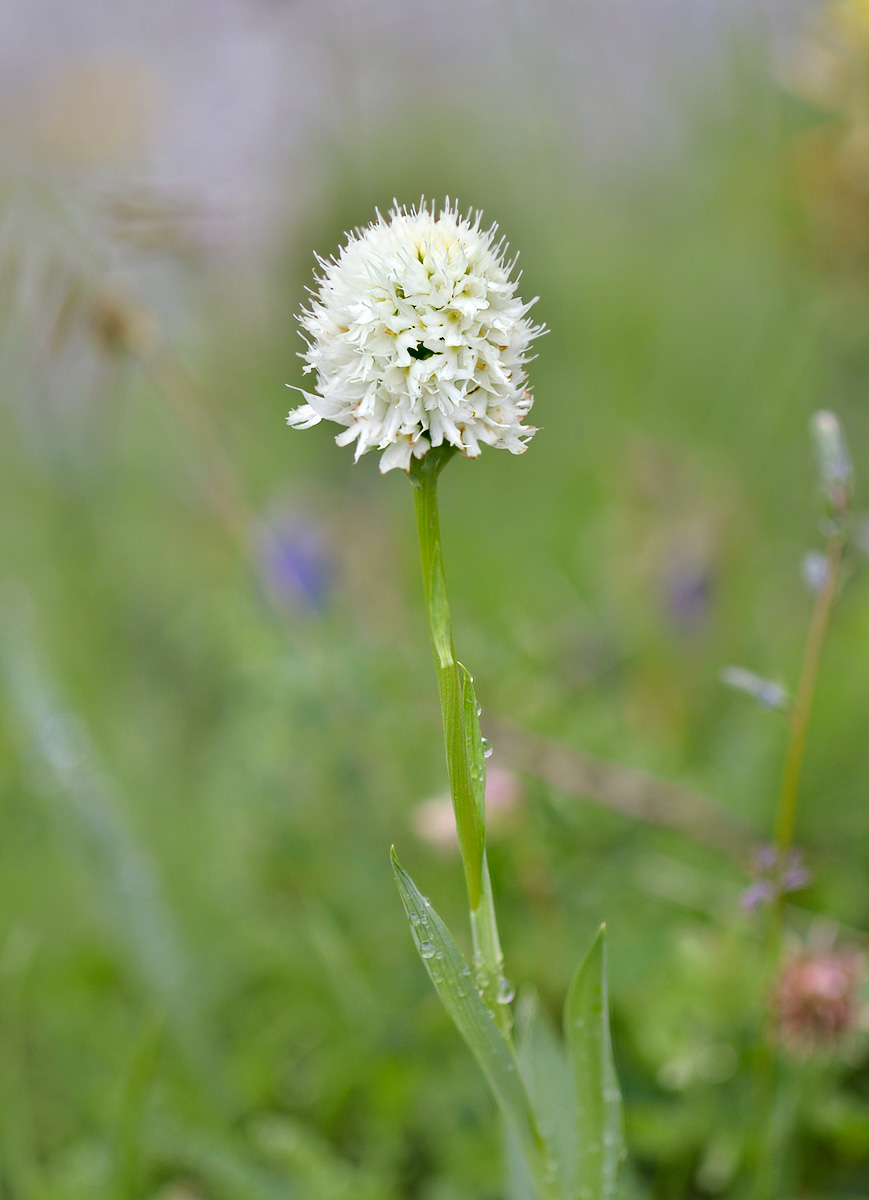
(506, 991)
(488, 749)
(427, 949)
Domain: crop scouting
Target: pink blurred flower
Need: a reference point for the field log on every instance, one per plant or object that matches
(433, 820)
(817, 1002)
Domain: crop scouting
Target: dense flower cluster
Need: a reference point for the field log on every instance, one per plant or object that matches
(418, 338)
(817, 1000)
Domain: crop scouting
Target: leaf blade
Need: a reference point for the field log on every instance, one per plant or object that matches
(455, 986)
(548, 1078)
(600, 1144)
(474, 749)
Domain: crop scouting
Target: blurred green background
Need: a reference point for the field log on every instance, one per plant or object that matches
(218, 705)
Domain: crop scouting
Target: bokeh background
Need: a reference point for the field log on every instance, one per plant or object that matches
(217, 706)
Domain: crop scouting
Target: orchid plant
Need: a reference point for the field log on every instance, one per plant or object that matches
(419, 344)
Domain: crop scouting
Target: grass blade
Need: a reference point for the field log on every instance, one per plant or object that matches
(548, 1078)
(473, 742)
(454, 984)
(518, 1183)
(600, 1144)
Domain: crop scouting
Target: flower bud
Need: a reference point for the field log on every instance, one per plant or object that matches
(833, 460)
(815, 571)
(766, 692)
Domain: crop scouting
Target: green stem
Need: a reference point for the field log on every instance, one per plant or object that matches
(766, 1065)
(464, 753)
(802, 707)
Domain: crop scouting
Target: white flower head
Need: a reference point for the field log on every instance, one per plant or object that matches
(418, 339)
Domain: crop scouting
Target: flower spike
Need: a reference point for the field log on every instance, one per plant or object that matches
(418, 339)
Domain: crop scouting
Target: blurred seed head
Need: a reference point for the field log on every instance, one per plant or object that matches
(83, 233)
(817, 1001)
(121, 325)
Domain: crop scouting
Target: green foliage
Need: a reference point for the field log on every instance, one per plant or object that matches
(196, 799)
(564, 1121)
(455, 985)
(474, 747)
(599, 1140)
(550, 1086)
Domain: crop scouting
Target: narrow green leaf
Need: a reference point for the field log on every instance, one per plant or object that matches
(454, 984)
(439, 610)
(474, 750)
(548, 1078)
(600, 1142)
(469, 810)
(517, 1181)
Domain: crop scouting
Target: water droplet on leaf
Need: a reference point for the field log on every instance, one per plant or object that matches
(506, 991)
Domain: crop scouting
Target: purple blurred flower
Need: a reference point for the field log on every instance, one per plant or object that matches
(796, 874)
(296, 563)
(775, 876)
(765, 858)
(757, 894)
(689, 589)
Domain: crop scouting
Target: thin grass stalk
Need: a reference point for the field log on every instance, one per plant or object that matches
(802, 707)
(771, 1144)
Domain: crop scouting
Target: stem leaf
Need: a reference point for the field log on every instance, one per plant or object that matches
(475, 753)
(548, 1078)
(600, 1138)
(439, 609)
(455, 986)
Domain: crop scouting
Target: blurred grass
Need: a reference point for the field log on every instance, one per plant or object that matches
(194, 765)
